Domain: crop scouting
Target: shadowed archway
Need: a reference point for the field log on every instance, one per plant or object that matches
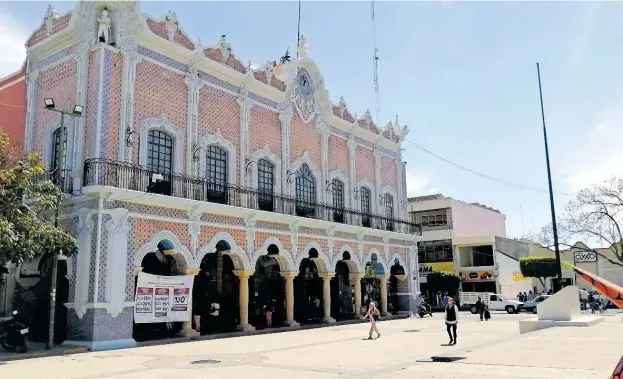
(342, 292)
(396, 271)
(267, 290)
(308, 297)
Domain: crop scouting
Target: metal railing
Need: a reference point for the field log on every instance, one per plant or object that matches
(104, 172)
(60, 178)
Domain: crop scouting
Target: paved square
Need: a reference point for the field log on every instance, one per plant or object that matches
(490, 350)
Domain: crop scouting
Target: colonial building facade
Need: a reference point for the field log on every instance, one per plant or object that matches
(188, 143)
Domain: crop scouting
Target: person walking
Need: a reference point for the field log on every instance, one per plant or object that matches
(373, 314)
(452, 319)
(480, 308)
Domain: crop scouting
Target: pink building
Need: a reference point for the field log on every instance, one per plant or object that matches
(13, 107)
(187, 143)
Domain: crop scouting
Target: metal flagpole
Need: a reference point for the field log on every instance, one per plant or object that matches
(298, 31)
(551, 192)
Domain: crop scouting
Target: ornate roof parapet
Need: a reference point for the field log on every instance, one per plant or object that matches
(50, 17)
(223, 53)
(52, 23)
(367, 123)
(171, 24)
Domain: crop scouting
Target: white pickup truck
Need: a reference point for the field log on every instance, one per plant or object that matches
(493, 301)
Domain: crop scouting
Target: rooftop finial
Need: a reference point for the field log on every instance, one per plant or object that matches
(302, 48)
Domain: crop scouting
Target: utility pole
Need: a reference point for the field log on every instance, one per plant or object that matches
(58, 172)
(551, 192)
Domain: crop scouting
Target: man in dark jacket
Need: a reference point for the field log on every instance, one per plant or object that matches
(480, 308)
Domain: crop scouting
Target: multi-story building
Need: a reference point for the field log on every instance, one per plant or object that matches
(188, 143)
(13, 106)
(458, 237)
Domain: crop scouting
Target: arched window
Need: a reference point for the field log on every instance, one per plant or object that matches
(265, 185)
(305, 192)
(216, 173)
(59, 153)
(159, 152)
(388, 204)
(338, 200)
(160, 160)
(365, 207)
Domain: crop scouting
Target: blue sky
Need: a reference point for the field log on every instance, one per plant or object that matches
(461, 75)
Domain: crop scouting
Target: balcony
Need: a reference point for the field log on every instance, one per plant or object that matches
(123, 175)
(59, 178)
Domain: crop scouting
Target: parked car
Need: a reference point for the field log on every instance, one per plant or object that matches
(530, 306)
(493, 301)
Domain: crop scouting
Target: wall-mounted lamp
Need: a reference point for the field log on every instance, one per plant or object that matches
(289, 175)
(196, 152)
(330, 186)
(404, 204)
(247, 167)
(128, 136)
(383, 199)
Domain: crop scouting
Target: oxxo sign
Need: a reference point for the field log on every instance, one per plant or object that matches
(585, 257)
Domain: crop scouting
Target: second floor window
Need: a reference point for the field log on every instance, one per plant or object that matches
(435, 251)
(159, 152)
(431, 218)
(59, 151)
(265, 184)
(216, 173)
(305, 192)
(338, 200)
(388, 204)
(365, 206)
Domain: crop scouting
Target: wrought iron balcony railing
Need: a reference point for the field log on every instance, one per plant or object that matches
(104, 172)
(60, 178)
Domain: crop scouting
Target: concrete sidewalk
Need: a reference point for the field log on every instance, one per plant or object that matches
(489, 350)
(38, 350)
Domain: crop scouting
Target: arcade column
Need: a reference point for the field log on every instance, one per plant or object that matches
(383, 278)
(289, 277)
(326, 296)
(357, 287)
(187, 326)
(243, 299)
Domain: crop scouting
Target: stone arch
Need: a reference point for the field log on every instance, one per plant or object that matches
(353, 263)
(237, 254)
(284, 258)
(162, 123)
(182, 255)
(322, 262)
(379, 259)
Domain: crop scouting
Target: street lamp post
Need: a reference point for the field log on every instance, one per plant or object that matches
(551, 192)
(76, 112)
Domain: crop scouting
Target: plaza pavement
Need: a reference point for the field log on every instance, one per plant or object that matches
(491, 349)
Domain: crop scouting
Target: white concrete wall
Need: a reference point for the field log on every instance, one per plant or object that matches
(506, 266)
(471, 220)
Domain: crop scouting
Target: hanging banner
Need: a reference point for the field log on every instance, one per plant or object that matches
(518, 277)
(427, 268)
(163, 298)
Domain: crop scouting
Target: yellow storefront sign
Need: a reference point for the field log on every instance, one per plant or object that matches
(427, 268)
(518, 277)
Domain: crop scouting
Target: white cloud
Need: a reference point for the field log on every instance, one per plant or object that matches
(12, 39)
(416, 183)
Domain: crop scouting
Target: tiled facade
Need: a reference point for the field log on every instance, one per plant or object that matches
(154, 77)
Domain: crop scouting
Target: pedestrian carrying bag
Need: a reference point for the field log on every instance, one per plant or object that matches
(487, 314)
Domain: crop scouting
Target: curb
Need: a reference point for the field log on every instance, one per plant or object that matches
(41, 354)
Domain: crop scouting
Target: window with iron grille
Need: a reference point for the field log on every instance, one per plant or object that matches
(305, 192)
(216, 165)
(338, 200)
(159, 152)
(265, 184)
(59, 150)
(216, 173)
(338, 193)
(365, 207)
(388, 202)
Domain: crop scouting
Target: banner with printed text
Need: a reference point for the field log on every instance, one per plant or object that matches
(163, 298)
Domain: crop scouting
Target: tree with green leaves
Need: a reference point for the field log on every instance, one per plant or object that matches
(28, 205)
(540, 268)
